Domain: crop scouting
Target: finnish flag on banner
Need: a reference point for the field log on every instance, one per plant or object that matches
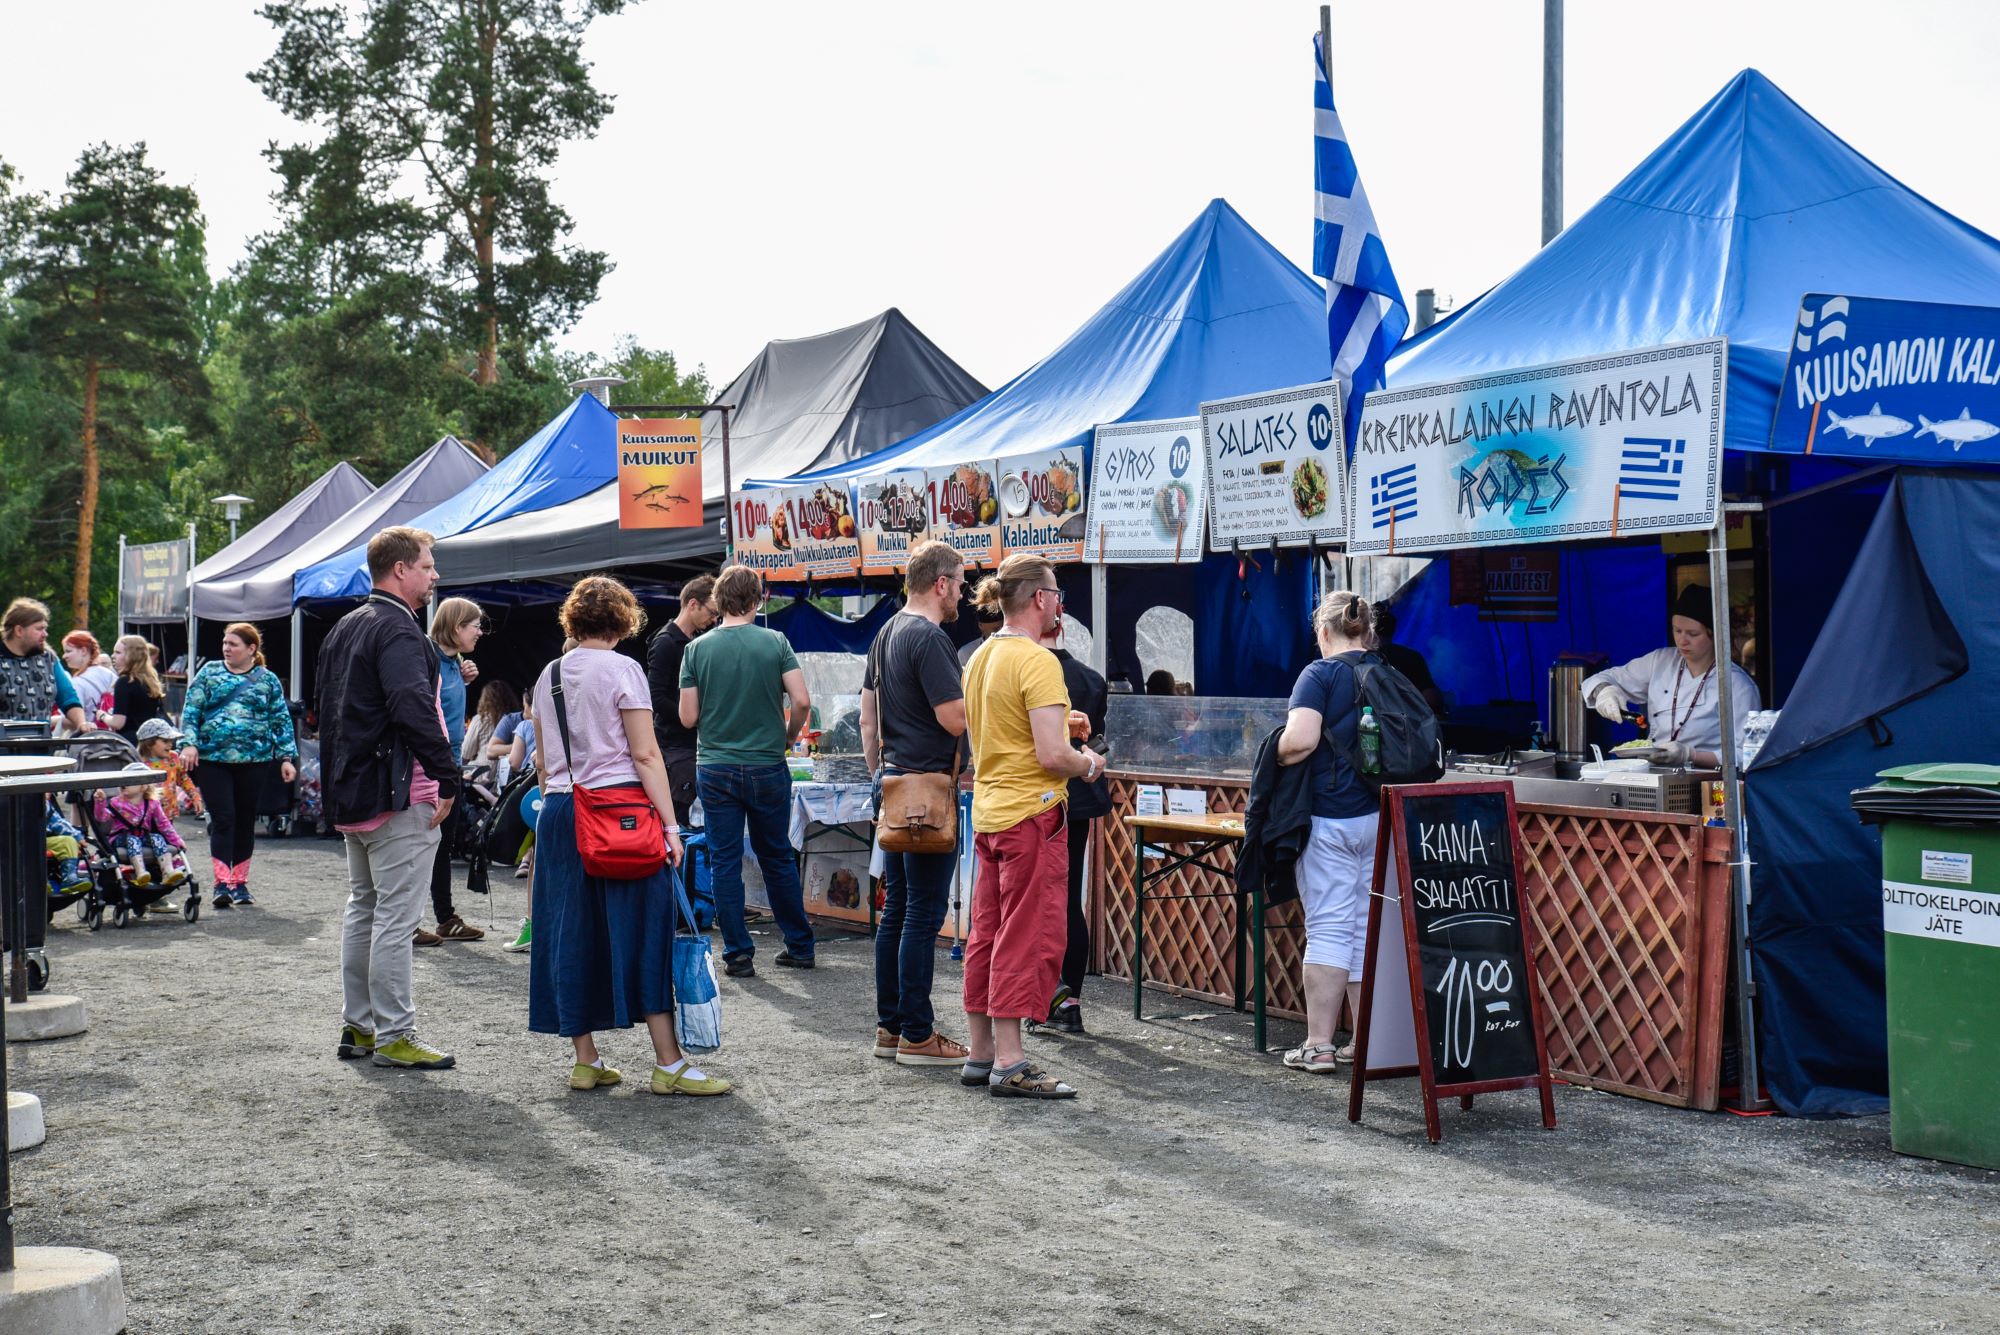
(1365, 315)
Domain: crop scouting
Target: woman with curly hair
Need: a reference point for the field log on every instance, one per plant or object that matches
(603, 955)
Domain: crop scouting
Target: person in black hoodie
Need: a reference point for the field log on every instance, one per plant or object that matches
(390, 778)
(1338, 862)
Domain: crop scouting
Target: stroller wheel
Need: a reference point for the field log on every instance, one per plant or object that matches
(38, 972)
(192, 909)
(120, 916)
(83, 908)
(95, 917)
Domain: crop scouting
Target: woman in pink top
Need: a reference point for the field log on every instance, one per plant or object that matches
(604, 949)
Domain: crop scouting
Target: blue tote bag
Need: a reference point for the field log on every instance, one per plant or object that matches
(697, 1000)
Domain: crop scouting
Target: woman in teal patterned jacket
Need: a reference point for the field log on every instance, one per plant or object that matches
(236, 723)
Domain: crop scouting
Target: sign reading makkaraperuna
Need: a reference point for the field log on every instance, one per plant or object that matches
(1594, 448)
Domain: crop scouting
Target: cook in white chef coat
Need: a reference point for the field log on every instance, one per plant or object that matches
(1677, 688)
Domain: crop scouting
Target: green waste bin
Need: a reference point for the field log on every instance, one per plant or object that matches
(1941, 952)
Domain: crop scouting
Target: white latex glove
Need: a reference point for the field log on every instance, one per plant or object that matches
(1673, 753)
(1607, 703)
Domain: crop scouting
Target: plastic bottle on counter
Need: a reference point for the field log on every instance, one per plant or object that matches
(1369, 737)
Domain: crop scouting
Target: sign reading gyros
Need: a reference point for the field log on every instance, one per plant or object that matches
(1146, 493)
(1628, 443)
(1041, 504)
(892, 514)
(1276, 468)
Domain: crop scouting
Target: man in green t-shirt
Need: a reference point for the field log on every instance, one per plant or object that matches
(742, 684)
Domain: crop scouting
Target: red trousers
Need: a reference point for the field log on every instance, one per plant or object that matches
(1020, 919)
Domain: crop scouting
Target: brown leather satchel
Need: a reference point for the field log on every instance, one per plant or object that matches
(920, 811)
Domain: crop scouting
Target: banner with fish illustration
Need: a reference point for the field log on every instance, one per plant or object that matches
(892, 514)
(1276, 468)
(1874, 379)
(1041, 504)
(965, 511)
(659, 472)
(1147, 493)
(1599, 447)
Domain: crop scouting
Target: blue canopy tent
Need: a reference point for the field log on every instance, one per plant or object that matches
(1219, 312)
(569, 457)
(1746, 208)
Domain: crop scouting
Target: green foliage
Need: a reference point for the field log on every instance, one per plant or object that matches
(107, 284)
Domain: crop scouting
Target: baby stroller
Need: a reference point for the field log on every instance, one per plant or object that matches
(112, 888)
(498, 835)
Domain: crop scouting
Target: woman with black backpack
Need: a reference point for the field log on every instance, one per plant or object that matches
(1338, 865)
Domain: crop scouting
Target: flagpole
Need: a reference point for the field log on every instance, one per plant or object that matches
(1552, 119)
(1326, 42)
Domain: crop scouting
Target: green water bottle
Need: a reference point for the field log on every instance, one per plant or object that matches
(1370, 733)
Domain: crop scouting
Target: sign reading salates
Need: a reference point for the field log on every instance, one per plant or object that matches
(1276, 468)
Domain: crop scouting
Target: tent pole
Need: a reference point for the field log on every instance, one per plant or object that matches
(1552, 119)
(1749, 1092)
(121, 586)
(1100, 612)
(194, 557)
(728, 484)
(298, 653)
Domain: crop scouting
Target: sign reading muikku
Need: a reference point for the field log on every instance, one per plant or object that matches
(1595, 448)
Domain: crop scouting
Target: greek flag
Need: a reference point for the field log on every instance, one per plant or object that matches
(1650, 468)
(1392, 496)
(1365, 315)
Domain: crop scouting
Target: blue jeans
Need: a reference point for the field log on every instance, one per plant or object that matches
(761, 797)
(916, 892)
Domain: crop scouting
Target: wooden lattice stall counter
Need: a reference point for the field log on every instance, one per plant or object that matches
(1630, 911)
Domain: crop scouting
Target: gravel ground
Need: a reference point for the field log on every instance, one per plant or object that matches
(203, 1132)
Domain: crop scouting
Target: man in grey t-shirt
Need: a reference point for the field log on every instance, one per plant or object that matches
(913, 721)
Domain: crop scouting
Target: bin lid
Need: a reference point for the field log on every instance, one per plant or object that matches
(1958, 775)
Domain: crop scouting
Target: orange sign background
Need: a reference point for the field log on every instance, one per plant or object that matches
(659, 472)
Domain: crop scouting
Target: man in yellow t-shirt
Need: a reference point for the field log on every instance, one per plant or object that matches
(1019, 723)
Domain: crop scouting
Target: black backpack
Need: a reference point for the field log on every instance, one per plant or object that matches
(1411, 750)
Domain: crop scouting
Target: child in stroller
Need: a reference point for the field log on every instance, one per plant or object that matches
(141, 836)
(69, 868)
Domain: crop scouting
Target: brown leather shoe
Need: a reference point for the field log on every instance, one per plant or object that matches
(423, 938)
(456, 928)
(937, 1050)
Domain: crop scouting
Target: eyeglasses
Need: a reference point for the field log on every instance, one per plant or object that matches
(1046, 589)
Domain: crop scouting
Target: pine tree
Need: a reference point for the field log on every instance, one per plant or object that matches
(109, 280)
(439, 123)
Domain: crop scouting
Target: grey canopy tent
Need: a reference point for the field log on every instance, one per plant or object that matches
(442, 471)
(331, 495)
(801, 404)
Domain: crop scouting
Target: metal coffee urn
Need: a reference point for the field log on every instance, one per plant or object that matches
(1568, 717)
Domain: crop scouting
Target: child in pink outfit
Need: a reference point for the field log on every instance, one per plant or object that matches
(141, 834)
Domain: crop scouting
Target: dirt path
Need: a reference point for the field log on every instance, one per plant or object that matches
(203, 1132)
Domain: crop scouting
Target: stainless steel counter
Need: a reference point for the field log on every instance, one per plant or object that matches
(1655, 790)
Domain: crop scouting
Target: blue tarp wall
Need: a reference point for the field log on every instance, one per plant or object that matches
(1905, 671)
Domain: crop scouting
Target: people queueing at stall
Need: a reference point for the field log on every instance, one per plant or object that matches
(1337, 864)
(1020, 724)
(236, 730)
(1677, 689)
(912, 740)
(744, 693)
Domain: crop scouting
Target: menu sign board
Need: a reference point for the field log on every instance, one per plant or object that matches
(1146, 493)
(761, 526)
(1629, 443)
(1475, 1001)
(822, 530)
(892, 514)
(965, 511)
(153, 584)
(1041, 504)
(1277, 468)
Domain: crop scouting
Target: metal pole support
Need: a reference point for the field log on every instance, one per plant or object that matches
(1749, 1081)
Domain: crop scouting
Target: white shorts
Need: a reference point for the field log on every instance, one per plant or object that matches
(1335, 875)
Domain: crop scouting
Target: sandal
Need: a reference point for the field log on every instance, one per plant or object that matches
(1317, 1058)
(1345, 1056)
(1031, 1082)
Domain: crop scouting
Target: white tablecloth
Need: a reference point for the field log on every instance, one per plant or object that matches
(829, 804)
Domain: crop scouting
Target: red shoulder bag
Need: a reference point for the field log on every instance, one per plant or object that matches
(619, 834)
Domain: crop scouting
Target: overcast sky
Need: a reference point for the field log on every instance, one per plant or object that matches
(774, 170)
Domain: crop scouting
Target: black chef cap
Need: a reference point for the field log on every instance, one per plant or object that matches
(1696, 605)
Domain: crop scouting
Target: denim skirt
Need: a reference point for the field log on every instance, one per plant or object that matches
(603, 954)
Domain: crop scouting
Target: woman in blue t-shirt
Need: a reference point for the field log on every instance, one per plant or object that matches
(1339, 861)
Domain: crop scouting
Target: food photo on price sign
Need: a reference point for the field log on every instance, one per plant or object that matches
(1276, 471)
(891, 515)
(1041, 504)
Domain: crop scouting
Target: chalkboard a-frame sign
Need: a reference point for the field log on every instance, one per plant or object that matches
(1473, 1018)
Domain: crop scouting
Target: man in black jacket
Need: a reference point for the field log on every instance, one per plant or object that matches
(390, 780)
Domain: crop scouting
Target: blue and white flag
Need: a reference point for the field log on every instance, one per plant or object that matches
(1365, 315)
